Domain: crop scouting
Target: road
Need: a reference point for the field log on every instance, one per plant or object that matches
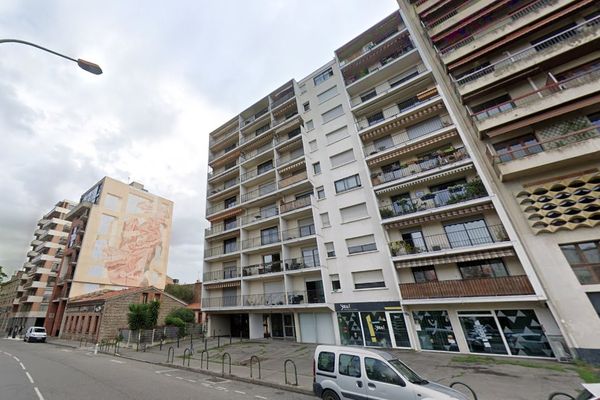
(39, 371)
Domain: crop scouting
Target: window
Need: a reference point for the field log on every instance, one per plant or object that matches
(144, 298)
(337, 135)
(335, 283)
(230, 165)
(424, 274)
(492, 107)
(229, 223)
(325, 220)
(348, 183)
(320, 192)
(380, 372)
(352, 213)
(156, 296)
(264, 167)
(517, 148)
(332, 114)
(306, 106)
(342, 158)
(230, 202)
(361, 244)
(229, 183)
(368, 279)
(229, 245)
(369, 95)
(269, 235)
(230, 147)
(406, 75)
(330, 249)
(313, 145)
(317, 168)
(383, 143)
(375, 118)
(482, 269)
(349, 365)
(323, 76)
(470, 233)
(310, 125)
(306, 227)
(267, 211)
(266, 188)
(584, 259)
(328, 94)
(425, 127)
(326, 361)
(595, 300)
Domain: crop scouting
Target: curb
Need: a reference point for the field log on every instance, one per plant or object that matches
(62, 345)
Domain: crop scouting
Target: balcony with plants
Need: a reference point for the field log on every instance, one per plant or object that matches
(263, 269)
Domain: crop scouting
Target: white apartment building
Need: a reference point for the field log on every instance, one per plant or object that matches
(346, 208)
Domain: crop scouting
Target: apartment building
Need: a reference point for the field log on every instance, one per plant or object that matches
(119, 238)
(523, 79)
(38, 274)
(8, 300)
(348, 207)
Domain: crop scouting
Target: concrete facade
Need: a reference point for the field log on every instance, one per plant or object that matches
(8, 301)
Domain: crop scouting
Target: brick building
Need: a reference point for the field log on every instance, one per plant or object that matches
(99, 315)
(8, 301)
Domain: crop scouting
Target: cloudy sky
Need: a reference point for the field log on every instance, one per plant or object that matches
(173, 71)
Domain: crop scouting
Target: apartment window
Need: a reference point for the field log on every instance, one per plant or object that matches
(230, 202)
(342, 158)
(352, 213)
(584, 259)
(306, 227)
(361, 244)
(317, 168)
(229, 223)
(313, 145)
(332, 114)
(320, 192)
(518, 148)
(229, 166)
(482, 269)
(492, 107)
(470, 233)
(266, 188)
(325, 220)
(328, 94)
(262, 129)
(330, 249)
(383, 143)
(310, 125)
(424, 274)
(425, 127)
(337, 135)
(303, 88)
(229, 183)
(306, 106)
(264, 167)
(229, 245)
(269, 235)
(230, 270)
(267, 211)
(404, 77)
(367, 96)
(144, 298)
(346, 184)
(375, 118)
(368, 279)
(323, 76)
(230, 147)
(595, 300)
(156, 296)
(335, 283)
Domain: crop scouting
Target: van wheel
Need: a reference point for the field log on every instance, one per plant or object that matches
(330, 395)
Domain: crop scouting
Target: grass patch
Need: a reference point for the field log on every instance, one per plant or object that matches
(521, 363)
(587, 372)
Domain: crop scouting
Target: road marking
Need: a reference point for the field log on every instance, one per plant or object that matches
(16, 358)
(179, 377)
(221, 388)
(239, 392)
(165, 370)
(38, 393)
(206, 384)
(66, 350)
(22, 366)
(8, 354)
(168, 375)
(260, 397)
(29, 376)
(191, 380)
(118, 361)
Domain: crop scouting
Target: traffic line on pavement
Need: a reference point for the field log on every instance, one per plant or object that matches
(16, 358)
(239, 392)
(168, 375)
(22, 366)
(29, 377)
(179, 377)
(260, 397)
(164, 370)
(37, 391)
(118, 361)
(191, 380)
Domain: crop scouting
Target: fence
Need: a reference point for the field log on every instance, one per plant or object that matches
(153, 337)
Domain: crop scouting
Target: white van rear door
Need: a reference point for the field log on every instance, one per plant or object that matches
(350, 377)
(383, 383)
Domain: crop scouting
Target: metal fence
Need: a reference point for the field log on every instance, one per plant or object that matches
(153, 337)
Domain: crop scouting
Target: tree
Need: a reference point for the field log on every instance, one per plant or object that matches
(184, 314)
(143, 316)
(184, 293)
(2, 274)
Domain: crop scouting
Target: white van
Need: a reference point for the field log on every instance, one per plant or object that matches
(360, 374)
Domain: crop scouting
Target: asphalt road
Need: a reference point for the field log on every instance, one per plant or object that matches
(39, 371)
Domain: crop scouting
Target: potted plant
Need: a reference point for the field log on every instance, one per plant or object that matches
(376, 178)
(386, 213)
(395, 248)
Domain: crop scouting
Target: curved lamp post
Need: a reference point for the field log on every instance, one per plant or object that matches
(83, 64)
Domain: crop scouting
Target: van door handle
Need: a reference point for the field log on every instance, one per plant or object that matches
(371, 385)
(359, 384)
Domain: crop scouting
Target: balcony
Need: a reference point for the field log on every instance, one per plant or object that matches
(286, 158)
(255, 173)
(221, 302)
(263, 240)
(263, 268)
(32, 253)
(288, 137)
(430, 201)
(260, 216)
(442, 158)
(33, 299)
(299, 232)
(249, 155)
(220, 207)
(221, 228)
(549, 96)
(260, 132)
(266, 299)
(218, 173)
(456, 240)
(223, 138)
(222, 187)
(289, 94)
(20, 288)
(518, 285)
(221, 153)
(577, 36)
(373, 50)
(37, 285)
(306, 297)
(221, 250)
(293, 179)
(456, 15)
(301, 263)
(295, 204)
(262, 191)
(221, 275)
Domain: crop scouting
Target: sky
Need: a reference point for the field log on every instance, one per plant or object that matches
(173, 72)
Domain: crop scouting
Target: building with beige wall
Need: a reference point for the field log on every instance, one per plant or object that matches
(523, 80)
(119, 238)
(8, 301)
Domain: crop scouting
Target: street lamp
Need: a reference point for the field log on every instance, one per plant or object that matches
(83, 64)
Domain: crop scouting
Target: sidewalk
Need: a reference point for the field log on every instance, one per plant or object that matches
(490, 377)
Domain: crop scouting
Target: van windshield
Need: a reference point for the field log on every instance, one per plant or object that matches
(406, 372)
(39, 330)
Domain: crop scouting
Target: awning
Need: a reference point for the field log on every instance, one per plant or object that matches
(440, 216)
(425, 179)
(229, 213)
(480, 255)
(293, 165)
(289, 124)
(221, 285)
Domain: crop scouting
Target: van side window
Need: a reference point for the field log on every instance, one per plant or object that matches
(326, 361)
(380, 372)
(349, 365)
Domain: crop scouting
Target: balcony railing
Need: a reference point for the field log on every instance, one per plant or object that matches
(214, 174)
(296, 264)
(290, 135)
(259, 216)
(221, 227)
(221, 153)
(221, 302)
(254, 173)
(457, 194)
(293, 179)
(451, 240)
(306, 297)
(220, 207)
(545, 145)
(373, 45)
(501, 286)
(539, 95)
(289, 157)
(494, 26)
(214, 189)
(255, 117)
(263, 240)
(434, 161)
(223, 138)
(406, 106)
(406, 48)
(574, 32)
(245, 156)
(263, 268)
(282, 298)
(221, 274)
(221, 250)
(283, 99)
(299, 232)
(263, 190)
(296, 204)
(454, 11)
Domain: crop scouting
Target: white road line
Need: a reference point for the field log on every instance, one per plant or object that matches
(168, 375)
(164, 370)
(221, 388)
(206, 384)
(239, 392)
(118, 361)
(179, 377)
(16, 358)
(38, 393)
(191, 380)
(260, 397)
(29, 377)
(22, 366)
(66, 350)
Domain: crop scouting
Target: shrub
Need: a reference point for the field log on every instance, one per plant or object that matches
(184, 314)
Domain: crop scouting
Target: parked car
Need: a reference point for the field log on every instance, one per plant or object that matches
(591, 391)
(35, 334)
(348, 372)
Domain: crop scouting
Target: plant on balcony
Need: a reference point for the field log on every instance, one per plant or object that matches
(470, 190)
(386, 213)
(376, 178)
(395, 248)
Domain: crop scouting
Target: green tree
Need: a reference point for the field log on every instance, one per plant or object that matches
(184, 314)
(184, 293)
(143, 316)
(2, 274)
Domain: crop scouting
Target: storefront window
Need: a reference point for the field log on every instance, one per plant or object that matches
(435, 330)
(400, 330)
(350, 329)
(482, 333)
(376, 329)
(524, 334)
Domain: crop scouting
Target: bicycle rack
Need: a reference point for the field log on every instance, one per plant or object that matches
(285, 363)
(202, 358)
(553, 395)
(116, 347)
(171, 355)
(223, 363)
(465, 385)
(258, 362)
(161, 344)
(189, 356)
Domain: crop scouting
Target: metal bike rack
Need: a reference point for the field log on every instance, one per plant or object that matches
(189, 356)
(116, 347)
(465, 385)
(553, 395)
(258, 362)
(223, 363)
(171, 355)
(161, 344)
(285, 363)
(202, 358)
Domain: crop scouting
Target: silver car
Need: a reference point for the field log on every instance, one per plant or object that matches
(35, 334)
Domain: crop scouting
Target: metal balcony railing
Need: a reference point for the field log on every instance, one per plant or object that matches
(257, 133)
(299, 232)
(373, 45)
(299, 263)
(266, 299)
(501, 286)
(306, 297)
(221, 274)
(217, 173)
(214, 189)
(296, 204)
(221, 227)
(434, 161)
(221, 250)
(262, 240)
(250, 121)
(263, 268)
(221, 302)
(254, 173)
(259, 216)
(404, 48)
(290, 135)
(220, 207)
(245, 156)
(221, 153)
(457, 194)
(289, 157)
(285, 97)
(404, 107)
(263, 190)
(451, 240)
(222, 138)
(454, 11)
(574, 32)
(293, 179)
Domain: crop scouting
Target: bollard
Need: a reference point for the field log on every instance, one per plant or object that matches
(230, 338)
(218, 341)
(258, 362)
(171, 355)
(202, 358)
(205, 344)
(178, 341)
(116, 347)
(161, 344)
(285, 363)
(96, 349)
(223, 363)
(189, 356)
(240, 337)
